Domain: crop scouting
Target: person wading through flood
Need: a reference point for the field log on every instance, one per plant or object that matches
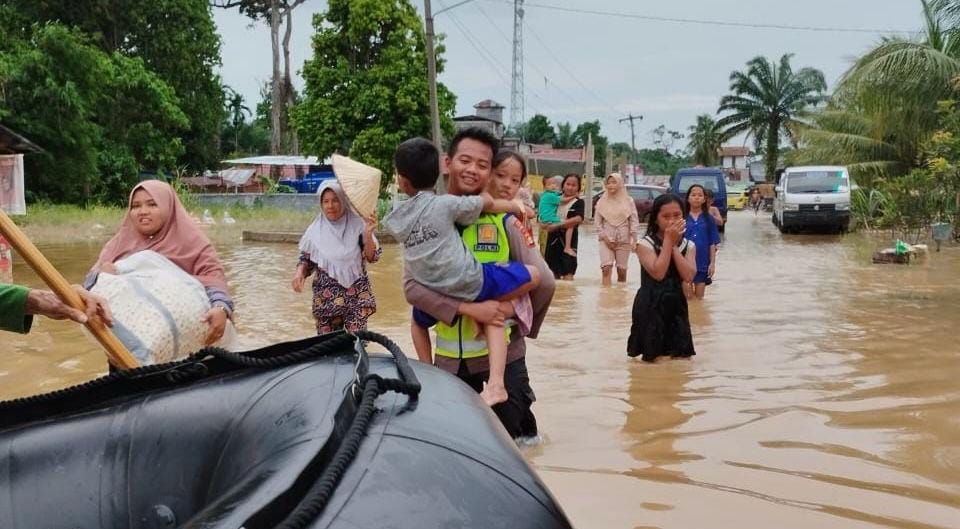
(618, 228)
(661, 324)
(468, 163)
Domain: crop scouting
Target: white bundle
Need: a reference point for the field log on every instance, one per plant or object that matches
(157, 307)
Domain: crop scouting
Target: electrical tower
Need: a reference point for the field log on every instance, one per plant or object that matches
(516, 85)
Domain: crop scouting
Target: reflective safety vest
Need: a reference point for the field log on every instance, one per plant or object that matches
(487, 240)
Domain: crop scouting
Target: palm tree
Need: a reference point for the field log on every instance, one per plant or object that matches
(846, 137)
(705, 140)
(236, 109)
(885, 105)
(767, 101)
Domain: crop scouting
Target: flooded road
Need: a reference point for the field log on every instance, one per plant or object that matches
(825, 392)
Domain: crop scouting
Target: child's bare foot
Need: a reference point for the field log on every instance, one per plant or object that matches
(492, 394)
(570, 251)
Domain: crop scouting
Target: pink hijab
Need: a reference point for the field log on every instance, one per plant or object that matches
(180, 240)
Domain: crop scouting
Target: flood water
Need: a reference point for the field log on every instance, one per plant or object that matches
(825, 392)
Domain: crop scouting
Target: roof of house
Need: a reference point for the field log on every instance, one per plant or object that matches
(728, 150)
(475, 118)
(488, 103)
(11, 142)
(279, 160)
(549, 153)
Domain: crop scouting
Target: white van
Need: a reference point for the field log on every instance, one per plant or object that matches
(815, 196)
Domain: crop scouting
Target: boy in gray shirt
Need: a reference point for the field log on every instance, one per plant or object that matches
(435, 256)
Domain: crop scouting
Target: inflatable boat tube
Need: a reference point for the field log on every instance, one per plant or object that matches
(263, 440)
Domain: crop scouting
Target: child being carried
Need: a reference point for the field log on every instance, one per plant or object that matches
(548, 213)
(436, 257)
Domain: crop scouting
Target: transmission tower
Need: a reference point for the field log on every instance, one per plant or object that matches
(516, 85)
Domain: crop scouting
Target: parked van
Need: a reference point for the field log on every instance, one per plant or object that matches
(710, 178)
(815, 196)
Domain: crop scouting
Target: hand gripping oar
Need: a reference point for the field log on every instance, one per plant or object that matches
(116, 352)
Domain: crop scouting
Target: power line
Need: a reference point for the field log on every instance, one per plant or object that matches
(571, 74)
(485, 54)
(707, 22)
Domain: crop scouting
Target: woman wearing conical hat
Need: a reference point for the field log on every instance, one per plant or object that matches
(336, 249)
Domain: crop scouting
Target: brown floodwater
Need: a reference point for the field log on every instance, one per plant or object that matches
(825, 392)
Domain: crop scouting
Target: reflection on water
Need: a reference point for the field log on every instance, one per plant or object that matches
(823, 393)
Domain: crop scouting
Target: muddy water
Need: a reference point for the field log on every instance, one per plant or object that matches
(824, 392)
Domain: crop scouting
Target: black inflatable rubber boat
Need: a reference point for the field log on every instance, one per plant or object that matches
(309, 434)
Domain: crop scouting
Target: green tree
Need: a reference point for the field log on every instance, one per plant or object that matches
(767, 102)
(661, 162)
(364, 93)
(564, 138)
(100, 117)
(176, 39)
(591, 129)
(704, 140)
(282, 94)
(885, 106)
(237, 112)
(538, 130)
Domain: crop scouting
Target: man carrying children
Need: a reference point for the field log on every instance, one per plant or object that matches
(490, 238)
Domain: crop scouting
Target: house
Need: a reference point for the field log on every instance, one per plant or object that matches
(488, 116)
(12, 148)
(734, 162)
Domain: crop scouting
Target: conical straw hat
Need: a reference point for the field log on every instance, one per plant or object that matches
(360, 183)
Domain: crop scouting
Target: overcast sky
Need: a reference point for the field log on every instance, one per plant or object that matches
(581, 66)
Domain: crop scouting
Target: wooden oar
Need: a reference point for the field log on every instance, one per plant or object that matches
(118, 354)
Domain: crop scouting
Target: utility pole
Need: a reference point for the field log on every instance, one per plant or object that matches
(441, 186)
(588, 165)
(633, 146)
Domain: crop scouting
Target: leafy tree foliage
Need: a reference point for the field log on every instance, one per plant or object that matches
(885, 106)
(538, 130)
(705, 140)
(100, 116)
(176, 39)
(767, 101)
(365, 88)
(564, 137)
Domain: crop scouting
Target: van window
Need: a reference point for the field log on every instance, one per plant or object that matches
(707, 181)
(817, 182)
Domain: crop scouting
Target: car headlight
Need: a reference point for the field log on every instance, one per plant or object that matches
(843, 206)
(791, 207)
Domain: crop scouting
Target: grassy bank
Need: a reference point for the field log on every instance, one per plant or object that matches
(61, 224)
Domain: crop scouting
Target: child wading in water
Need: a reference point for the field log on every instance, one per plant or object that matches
(702, 231)
(661, 325)
(549, 207)
(436, 257)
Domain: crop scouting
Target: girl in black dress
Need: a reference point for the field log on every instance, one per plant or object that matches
(661, 325)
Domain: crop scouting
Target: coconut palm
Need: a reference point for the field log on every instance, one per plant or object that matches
(885, 105)
(767, 101)
(847, 137)
(704, 140)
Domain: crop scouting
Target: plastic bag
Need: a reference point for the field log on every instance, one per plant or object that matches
(157, 307)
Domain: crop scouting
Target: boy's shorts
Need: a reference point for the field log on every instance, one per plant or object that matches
(499, 279)
(701, 277)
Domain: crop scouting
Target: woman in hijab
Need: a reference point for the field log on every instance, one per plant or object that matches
(337, 245)
(157, 221)
(618, 228)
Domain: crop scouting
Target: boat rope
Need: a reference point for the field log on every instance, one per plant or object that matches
(198, 365)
